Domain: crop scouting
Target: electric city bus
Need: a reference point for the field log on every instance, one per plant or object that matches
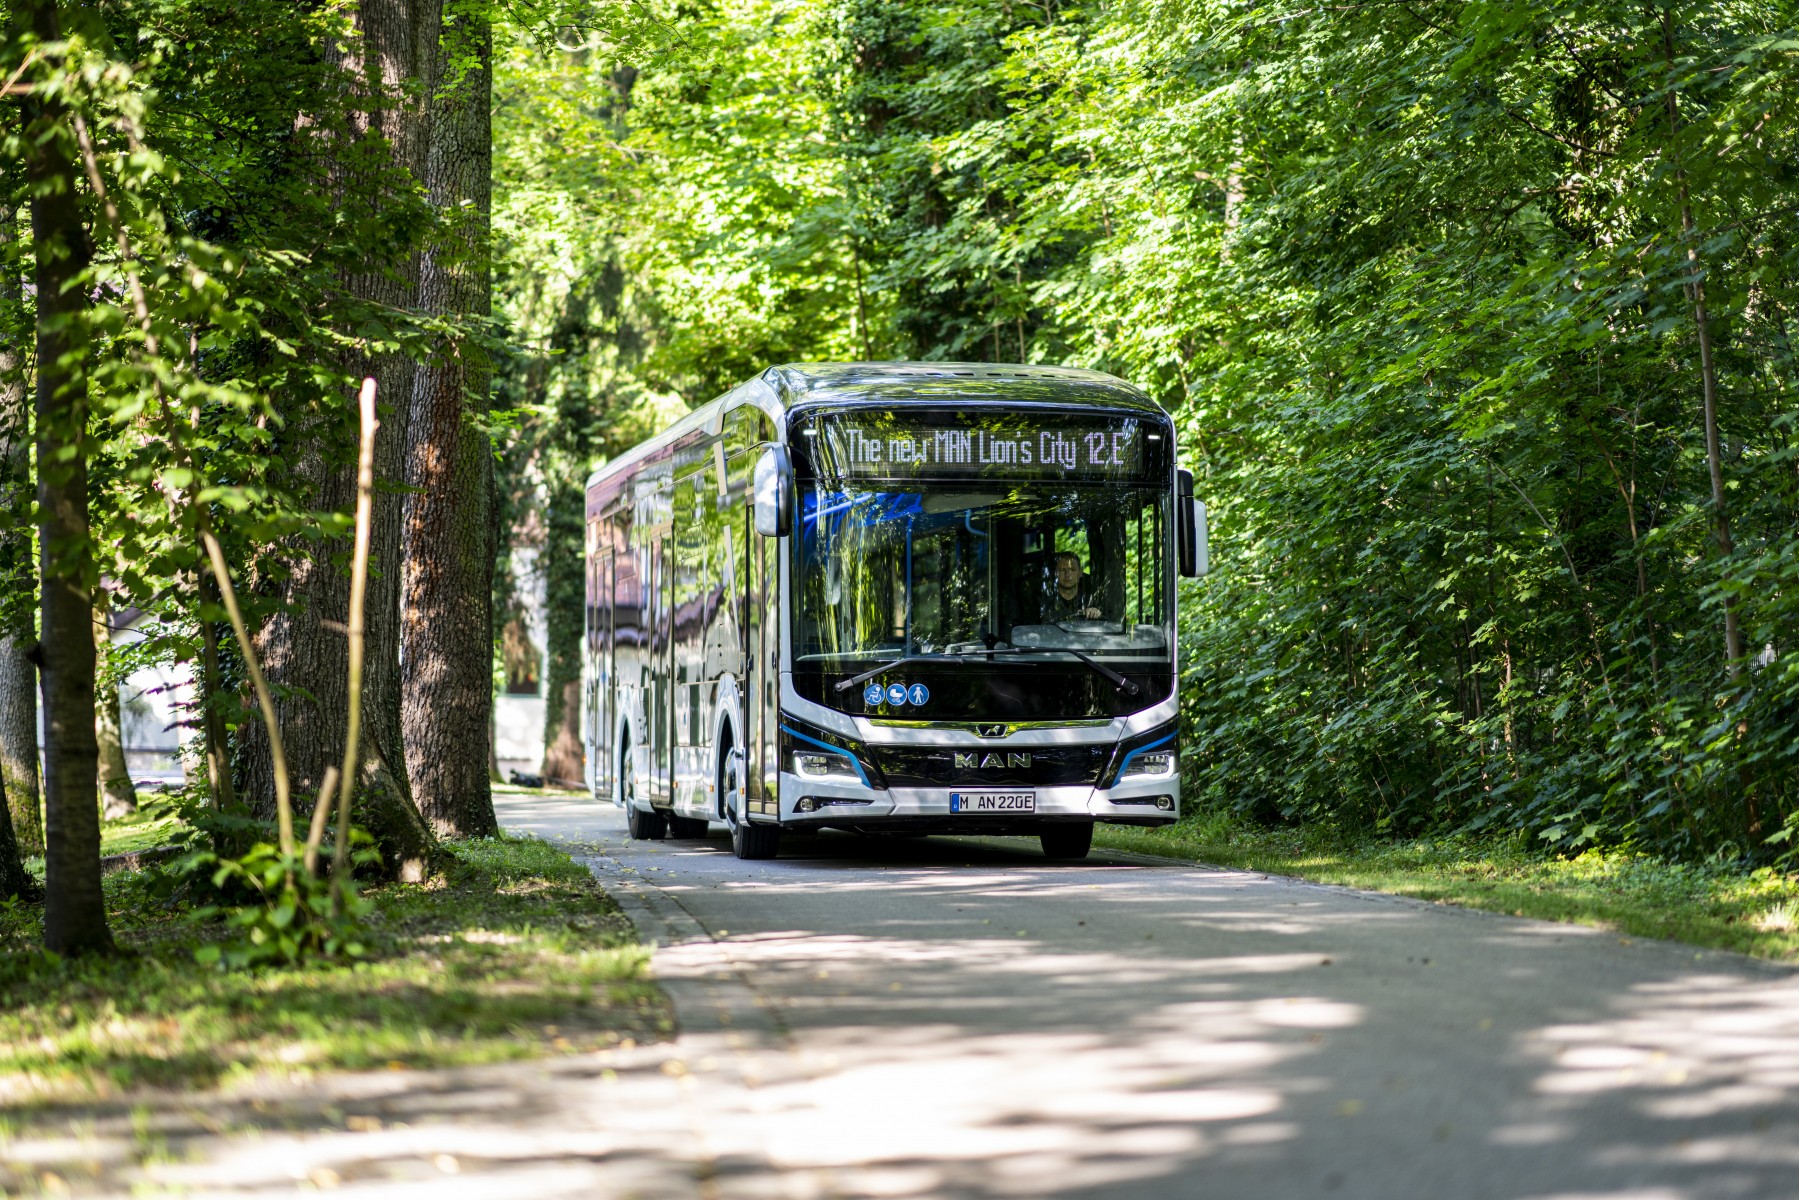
(892, 598)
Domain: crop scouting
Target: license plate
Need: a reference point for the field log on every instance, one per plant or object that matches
(1001, 803)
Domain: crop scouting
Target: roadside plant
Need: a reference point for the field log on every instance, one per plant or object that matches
(295, 914)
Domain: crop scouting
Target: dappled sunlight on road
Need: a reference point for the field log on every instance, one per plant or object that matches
(976, 1066)
(1706, 1063)
(960, 1018)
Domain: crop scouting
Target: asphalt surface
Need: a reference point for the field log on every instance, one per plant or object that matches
(958, 1017)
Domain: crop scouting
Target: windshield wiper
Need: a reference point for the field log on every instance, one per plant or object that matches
(846, 684)
(1127, 686)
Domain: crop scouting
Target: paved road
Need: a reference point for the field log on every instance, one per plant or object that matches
(957, 1017)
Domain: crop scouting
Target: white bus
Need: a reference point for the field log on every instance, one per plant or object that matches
(892, 598)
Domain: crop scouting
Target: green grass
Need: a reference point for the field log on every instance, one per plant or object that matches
(140, 831)
(517, 953)
(1753, 912)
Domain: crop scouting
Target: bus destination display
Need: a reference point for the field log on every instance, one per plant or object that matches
(877, 446)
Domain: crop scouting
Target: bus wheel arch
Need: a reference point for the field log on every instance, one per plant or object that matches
(727, 712)
(748, 840)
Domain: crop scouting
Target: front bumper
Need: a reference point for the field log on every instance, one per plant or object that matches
(927, 810)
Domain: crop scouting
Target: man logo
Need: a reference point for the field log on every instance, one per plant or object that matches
(990, 731)
(986, 762)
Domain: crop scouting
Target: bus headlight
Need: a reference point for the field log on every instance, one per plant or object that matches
(1155, 764)
(819, 764)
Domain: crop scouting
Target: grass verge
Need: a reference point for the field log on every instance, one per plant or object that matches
(517, 953)
(1752, 912)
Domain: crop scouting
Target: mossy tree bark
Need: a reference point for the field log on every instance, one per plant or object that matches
(18, 576)
(447, 619)
(388, 63)
(18, 675)
(15, 881)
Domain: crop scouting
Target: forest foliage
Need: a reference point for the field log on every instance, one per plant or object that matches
(1441, 294)
(221, 217)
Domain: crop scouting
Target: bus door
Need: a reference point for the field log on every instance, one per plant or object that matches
(656, 672)
(688, 633)
(600, 627)
(762, 684)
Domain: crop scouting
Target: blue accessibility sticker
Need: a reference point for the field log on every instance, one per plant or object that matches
(896, 693)
(918, 693)
(873, 694)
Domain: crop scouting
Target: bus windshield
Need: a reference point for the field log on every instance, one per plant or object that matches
(950, 571)
(983, 563)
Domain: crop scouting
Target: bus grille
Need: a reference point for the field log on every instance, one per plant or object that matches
(935, 766)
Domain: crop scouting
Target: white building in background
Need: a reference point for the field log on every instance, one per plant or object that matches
(157, 716)
(156, 707)
(518, 706)
(159, 726)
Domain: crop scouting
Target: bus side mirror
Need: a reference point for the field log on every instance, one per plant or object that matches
(1190, 518)
(772, 488)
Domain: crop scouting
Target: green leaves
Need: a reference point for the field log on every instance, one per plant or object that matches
(278, 914)
(1414, 279)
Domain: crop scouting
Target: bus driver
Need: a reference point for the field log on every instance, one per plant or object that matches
(1072, 597)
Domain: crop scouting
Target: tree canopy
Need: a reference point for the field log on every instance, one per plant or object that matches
(1475, 317)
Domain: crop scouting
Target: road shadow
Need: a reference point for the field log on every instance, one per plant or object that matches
(962, 1018)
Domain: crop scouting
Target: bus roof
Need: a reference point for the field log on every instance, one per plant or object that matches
(928, 382)
(791, 386)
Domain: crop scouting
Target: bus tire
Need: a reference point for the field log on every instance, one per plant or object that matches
(687, 827)
(1067, 841)
(644, 825)
(754, 841)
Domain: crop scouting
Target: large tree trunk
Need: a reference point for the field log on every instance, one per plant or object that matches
(18, 578)
(447, 622)
(118, 798)
(74, 909)
(389, 61)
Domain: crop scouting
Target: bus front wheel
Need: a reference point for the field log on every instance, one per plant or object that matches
(747, 840)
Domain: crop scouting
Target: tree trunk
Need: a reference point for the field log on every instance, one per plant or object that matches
(118, 798)
(564, 756)
(74, 909)
(388, 59)
(1708, 374)
(220, 787)
(18, 577)
(15, 880)
(1714, 457)
(447, 620)
(18, 735)
(19, 831)
(565, 586)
